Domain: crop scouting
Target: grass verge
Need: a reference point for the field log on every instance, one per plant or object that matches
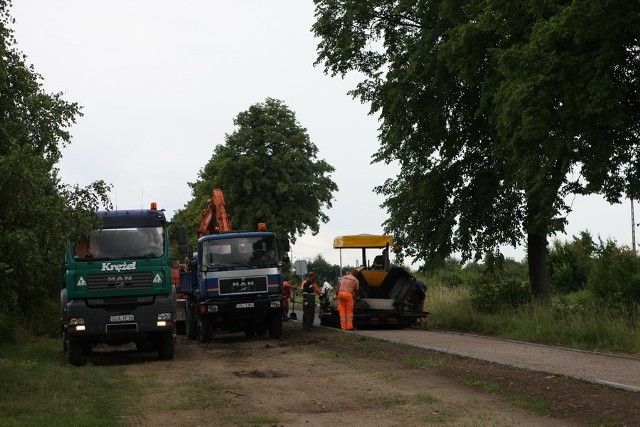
(576, 321)
(39, 388)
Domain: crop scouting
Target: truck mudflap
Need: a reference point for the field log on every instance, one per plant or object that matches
(181, 315)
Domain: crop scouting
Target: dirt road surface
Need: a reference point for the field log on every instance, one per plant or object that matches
(327, 377)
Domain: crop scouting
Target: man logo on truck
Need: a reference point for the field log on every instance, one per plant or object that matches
(244, 286)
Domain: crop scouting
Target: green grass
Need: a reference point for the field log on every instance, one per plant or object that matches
(575, 320)
(422, 362)
(392, 400)
(260, 420)
(482, 385)
(535, 404)
(426, 399)
(38, 388)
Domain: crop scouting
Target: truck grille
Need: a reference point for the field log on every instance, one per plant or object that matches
(243, 285)
(119, 282)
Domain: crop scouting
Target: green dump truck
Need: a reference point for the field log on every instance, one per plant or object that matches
(116, 286)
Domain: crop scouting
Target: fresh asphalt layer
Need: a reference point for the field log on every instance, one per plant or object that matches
(601, 368)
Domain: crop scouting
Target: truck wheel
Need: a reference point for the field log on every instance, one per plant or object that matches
(74, 352)
(181, 326)
(191, 326)
(275, 327)
(205, 332)
(166, 347)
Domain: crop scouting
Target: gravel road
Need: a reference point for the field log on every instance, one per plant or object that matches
(600, 368)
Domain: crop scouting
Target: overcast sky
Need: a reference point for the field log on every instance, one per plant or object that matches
(161, 81)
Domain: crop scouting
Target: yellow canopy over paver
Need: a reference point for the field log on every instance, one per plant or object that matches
(362, 241)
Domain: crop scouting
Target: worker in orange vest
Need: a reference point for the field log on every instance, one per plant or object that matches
(348, 291)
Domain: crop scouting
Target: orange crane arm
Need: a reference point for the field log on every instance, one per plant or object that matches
(215, 218)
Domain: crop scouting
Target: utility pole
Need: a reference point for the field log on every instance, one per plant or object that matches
(633, 228)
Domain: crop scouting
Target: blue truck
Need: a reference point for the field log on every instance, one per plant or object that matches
(116, 286)
(234, 284)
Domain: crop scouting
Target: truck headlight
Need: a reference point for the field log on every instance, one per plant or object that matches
(76, 324)
(212, 308)
(275, 304)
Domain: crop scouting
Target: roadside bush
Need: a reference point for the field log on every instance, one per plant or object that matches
(6, 328)
(44, 318)
(496, 289)
(8, 314)
(449, 278)
(491, 295)
(615, 274)
(570, 263)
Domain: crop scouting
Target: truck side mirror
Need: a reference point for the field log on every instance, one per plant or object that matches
(183, 249)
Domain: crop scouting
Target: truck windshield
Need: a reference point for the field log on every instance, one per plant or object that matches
(238, 251)
(121, 243)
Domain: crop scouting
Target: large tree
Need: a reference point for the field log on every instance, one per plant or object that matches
(37, 212)
(268, 171)
(496, 110)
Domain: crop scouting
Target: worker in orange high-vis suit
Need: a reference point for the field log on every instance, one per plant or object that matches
(348, 291)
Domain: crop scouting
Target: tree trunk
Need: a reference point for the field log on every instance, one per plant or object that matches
(538, 266)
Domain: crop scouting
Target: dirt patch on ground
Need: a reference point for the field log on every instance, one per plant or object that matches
(325, 377)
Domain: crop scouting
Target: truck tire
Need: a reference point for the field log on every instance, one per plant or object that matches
(166, 346)
(74, 352)
(275, 327)
(181, 326)
(205, 332)
(191, 325)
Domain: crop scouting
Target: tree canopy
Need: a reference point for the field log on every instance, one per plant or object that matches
(269, 172)
(495, 110)
(37, 212)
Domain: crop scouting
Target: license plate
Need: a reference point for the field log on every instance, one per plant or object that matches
(121, 318)
(245, 305)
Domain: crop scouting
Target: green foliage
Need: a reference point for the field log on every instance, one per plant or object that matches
(38, 212)
(323, 269)
(615, 274)
(491, 295)
(496, 289)
(495, 111)
(570, 262)
(269, 172)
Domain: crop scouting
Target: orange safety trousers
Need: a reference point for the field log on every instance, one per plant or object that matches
(345, 308)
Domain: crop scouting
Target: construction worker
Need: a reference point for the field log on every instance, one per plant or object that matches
(348, 291)
(309, 289)
(286, 296)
